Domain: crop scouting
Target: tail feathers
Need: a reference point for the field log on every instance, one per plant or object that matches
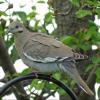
(84, 86)
(70, 69)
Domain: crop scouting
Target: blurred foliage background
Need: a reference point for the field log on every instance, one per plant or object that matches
(73, 23)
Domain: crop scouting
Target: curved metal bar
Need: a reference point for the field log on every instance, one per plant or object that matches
(38, 76)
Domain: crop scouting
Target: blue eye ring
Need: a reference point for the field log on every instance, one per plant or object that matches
(16, 26)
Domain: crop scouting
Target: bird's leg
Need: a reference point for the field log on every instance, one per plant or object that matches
(35, 73)
(50, 75)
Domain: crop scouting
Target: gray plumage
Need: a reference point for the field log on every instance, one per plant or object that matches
(46, 54)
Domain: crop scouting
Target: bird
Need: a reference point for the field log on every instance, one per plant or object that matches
(46, 54)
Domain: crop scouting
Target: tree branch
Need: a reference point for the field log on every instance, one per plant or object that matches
(9, 70)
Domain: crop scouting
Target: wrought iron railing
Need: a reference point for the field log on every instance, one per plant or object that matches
(38, 76)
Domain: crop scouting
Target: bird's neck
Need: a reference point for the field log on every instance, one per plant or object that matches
(20, 39)
(21, 35)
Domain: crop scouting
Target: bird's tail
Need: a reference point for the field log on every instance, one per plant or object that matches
(70, 68)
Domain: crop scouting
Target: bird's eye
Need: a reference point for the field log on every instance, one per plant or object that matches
(17, 26)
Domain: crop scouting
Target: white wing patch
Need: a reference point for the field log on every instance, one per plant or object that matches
(49, 59)
(45, 60)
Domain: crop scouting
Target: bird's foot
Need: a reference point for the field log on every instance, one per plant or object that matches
(36, 74)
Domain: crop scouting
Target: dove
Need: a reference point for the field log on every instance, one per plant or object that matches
(46, 54)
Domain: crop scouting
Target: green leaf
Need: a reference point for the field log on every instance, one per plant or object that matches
(98, 12)
(9, 42)
(31, 15)
(92, 30)
(21, 14)
(36, 27)
(57, 76)
(26, 71)
(98, 75)
(69, 40)
(1, 2)
(98, 79)
(88, 68)
(21, 6)
(48, 18)
(14, 55)
(61, 91)
(34, 8)
(2, 13)
(33, 84)
(95, 59)
(96, 39)
(41, 1)
(93, 3)
(92, 34)
(88, 36)
(82, 13)
(75, 2)
(99, 92)
(1, 30)
(84, 46)
(37, 84)
(50, 86)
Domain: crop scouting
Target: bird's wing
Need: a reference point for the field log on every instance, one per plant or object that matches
(44, 48)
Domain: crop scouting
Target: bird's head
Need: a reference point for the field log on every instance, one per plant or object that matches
(15, 27)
